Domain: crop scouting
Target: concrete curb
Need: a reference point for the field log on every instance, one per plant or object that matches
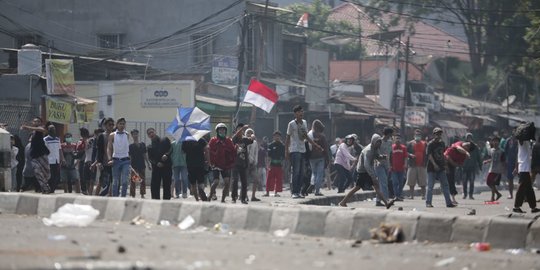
(318, 221)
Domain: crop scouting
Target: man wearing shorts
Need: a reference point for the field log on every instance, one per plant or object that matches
(196, 158)
(417, 172)
(366, 171)
(222, 158)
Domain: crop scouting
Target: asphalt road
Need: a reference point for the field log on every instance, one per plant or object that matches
(28, 244)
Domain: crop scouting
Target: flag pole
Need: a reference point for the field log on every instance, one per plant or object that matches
(240, 67)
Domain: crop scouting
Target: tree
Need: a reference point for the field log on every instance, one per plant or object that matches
(320, 27)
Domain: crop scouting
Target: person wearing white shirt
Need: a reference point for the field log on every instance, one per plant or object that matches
(523, 169)
(56, 156)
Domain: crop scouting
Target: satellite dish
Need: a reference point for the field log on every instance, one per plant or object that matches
(508, 101)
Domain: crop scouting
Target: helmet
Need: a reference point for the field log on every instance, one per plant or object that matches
(350, 136)
(221, 125)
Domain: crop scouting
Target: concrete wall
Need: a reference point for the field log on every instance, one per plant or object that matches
(22, 88)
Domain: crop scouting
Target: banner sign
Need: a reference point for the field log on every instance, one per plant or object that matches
(416, 117)
(161, 96)
(60, 77)
(423, 99)
(84, 113)
(58, 111)
(225, 70)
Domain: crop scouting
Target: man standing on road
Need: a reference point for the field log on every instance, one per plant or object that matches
(471, 166)
(253, 155)
(240, 169)
(398, 159)
(105, 178)
(118, 154)
(159, 153)
(197, 157)
(318, 159)
(295, 149)
(525, 189)
(417, 173)
(180, 174)
(510, 154)
(56, 157)
(437, 168)
(68, 171)
(139, 159)
(276, 153)
(382, 169)
(366, 171)
(222, 158)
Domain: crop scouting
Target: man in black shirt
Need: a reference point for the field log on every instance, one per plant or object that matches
(276, 153)
(197, 156)
(105, 177)
(437, 168)
(159, 153)
(240, 169)
(139, 159)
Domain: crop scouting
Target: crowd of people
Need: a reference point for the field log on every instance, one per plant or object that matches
(111, 161)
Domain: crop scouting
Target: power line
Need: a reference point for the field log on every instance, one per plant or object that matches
(464, 9)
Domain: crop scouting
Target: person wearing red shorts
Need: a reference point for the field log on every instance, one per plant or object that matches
(495, 168)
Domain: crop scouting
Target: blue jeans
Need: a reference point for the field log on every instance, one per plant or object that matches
(180, 177)
(382, 174)
(398, 179)
(344, 177)
(317, 172)
(441, 176)
(120, 171)
(297, 164)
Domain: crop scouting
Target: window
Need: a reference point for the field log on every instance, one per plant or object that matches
(203, 49)
(110, 41)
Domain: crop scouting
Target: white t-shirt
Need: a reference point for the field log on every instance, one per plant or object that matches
(524, 157)
(298, 133)
(53, 143)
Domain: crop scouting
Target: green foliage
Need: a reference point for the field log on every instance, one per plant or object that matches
(320, 27)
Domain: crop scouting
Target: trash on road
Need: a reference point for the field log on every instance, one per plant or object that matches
(491, 202)
(164, 222)
(77, 215)
(445, 262)
(121, 249)
(221, 227)
(249, 260)
(57, 237)
(388, 233)
(472, 212)
(515, 251)
(281, 233)
(481, 246)
(356, 243)
(186, 223)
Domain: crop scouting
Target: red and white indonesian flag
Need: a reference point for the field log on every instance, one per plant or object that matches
(303, 21)
(261, 95)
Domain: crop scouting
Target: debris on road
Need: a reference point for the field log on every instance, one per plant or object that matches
(445, 262)
(356, 243)
(472, 212)
(77, 215)
(388, 233)
(515, 251)
(481, 246)
(164, 222)
(57, 237)
(186, 223)
(121, 249)
(281, 233)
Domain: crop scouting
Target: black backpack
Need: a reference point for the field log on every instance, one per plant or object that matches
(525, 132)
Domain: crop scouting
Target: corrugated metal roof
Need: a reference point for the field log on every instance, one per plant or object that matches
(368, 106)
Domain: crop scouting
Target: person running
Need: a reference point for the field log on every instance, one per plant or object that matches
(437, 168)
(455, 156)
(382, 169)
(398, 161)
(139, 161)
(159, 152)
(222, 159)
(318, 159)
(197, 156)
(495, 167)
(276, 153)
(525, 189)
(56, 157)
(295, 149)
(343, 162)
(242, 161)
(105, 178)
(366, 171)
(417, 172)
(68, 172)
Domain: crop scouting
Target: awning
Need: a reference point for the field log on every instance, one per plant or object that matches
(211, 104)
(355, 115)
(369, 106)
(449, 124)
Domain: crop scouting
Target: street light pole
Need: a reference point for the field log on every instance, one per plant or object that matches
(404, 109)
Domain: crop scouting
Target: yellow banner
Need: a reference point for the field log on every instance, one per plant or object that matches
(59, 111)
(60, 77)
(84, 112)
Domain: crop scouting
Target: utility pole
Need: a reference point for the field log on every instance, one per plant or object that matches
(241, 61)
(405, 96)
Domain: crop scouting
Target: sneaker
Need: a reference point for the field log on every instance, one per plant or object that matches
(451, 205)
(464, 196)
(379, 204)
(184, 195)
(277, 195)
(471, 198)
(296, 196)
(244, 202)
(310, 189)
(319, 194)
(390, 204)
(518, 210)
(266, 195)
(535, 210)
(398, 199)
(429, 205)
(253, 199)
